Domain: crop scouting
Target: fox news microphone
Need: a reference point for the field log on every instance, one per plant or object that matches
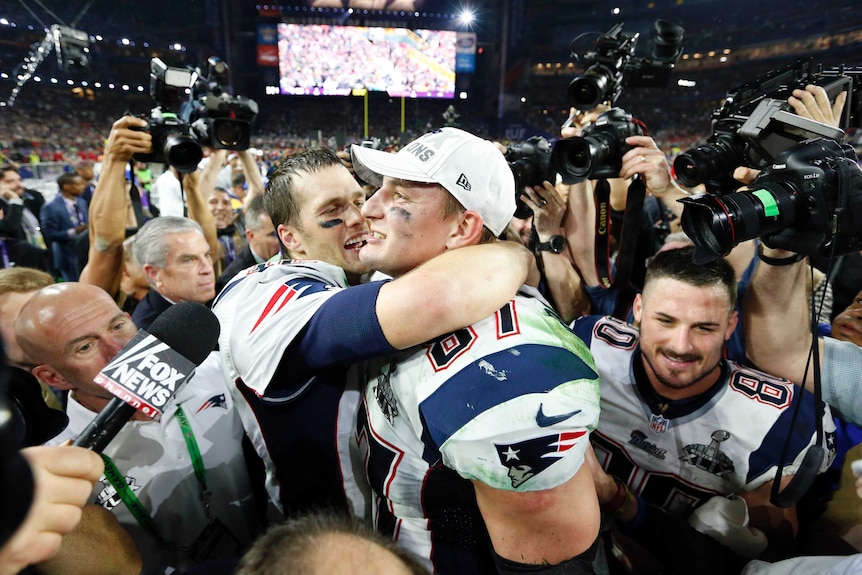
(151, 368)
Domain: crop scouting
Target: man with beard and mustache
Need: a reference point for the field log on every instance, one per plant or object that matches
(680, 424)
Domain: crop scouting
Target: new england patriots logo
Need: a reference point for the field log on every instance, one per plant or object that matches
(215, 401)
(526, 459)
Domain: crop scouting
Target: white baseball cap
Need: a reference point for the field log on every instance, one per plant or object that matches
(473, 170)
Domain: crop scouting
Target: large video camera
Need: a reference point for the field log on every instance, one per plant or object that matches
(612, 65)
(192, 110)
(808, 201)
(530, 164)
(755, 124)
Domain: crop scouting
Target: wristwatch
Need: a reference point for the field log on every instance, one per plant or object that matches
(556, 244)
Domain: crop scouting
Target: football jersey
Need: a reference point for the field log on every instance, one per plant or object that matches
(508, 401)
(156, 465)
(680, 454)
(290, 332)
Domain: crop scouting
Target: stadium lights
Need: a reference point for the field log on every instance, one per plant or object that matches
(465, 17)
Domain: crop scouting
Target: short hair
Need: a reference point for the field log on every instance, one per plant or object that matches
(678, 264)
(23, 280)
(237, 179)
(8, 168)
(290, 547)
(253, 210)
(152, 242)
(66, 178)
(280, 196)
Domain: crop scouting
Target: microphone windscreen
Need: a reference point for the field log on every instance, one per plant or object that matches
(189, 328)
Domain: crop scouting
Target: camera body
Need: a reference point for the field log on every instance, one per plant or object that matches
(808, 201)
(192, 111)
(612, 65)
(530, 163)
(599, 152)
(755, 124)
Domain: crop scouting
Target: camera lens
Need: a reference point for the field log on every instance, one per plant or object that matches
(182, 152)
(591, 89)
(713, 161)
(230, 134)
(717, 224)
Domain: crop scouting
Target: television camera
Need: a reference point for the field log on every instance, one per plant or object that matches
(193, 110)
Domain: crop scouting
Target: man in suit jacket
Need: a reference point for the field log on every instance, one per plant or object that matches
(28, 228)
(261, 242)
(63, 218)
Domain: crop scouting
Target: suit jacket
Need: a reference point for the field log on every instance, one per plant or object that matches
(56, 223)
(149, 308)
(33, 201)
(242, 261)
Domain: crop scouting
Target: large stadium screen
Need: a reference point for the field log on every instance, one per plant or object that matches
(325, 60)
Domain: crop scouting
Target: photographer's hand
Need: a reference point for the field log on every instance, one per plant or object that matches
(813, 103)
(579, 120)
(647, 160)
(123, 141)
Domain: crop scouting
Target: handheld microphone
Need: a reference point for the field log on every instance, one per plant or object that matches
(151, 368)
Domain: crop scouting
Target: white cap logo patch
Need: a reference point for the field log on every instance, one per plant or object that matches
(463, 182)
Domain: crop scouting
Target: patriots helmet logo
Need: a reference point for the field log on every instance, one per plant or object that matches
(215, 401)
(526, 459)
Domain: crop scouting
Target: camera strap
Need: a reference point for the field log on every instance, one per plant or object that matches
(627, 243)
(135, 196)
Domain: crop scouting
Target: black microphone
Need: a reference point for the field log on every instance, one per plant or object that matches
(151, 368)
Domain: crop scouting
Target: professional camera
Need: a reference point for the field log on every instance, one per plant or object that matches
(173, 141)
(193, 111)
(809, 201)
(599, 152)
(530, 162)
(612, 64)
(755, 124)
(218, 119)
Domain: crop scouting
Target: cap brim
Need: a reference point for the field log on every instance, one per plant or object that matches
(373, 165)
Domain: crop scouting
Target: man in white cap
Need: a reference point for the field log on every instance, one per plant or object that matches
(475, 441)
(290, 331)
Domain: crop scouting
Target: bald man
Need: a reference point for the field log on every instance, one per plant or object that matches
(71, 331)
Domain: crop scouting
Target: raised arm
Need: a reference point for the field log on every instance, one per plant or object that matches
(777, 317)
(108, 208)
(198, 209)
(454, 289)
(564, 283)
(252, 175)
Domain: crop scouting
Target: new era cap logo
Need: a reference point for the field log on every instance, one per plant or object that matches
(463, 182)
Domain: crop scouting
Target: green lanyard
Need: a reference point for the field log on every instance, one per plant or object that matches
(133, 504)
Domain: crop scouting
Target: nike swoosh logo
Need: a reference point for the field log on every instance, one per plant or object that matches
(543, 420)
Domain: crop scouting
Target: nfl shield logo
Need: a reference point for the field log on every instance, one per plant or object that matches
(657, 423)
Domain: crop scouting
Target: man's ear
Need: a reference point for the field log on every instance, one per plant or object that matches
(638, 308)
(47, 374)
(467, 231)
(152, 273)
(290, 239)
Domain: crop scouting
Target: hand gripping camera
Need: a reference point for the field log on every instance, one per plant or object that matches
(808, 201)
(755, 124)
(530, 164)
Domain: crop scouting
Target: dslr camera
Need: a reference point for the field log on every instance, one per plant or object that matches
(612, 65)
(599, 152)
(755, 124)
(193, 111)
(808, 201)
(530, 164)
